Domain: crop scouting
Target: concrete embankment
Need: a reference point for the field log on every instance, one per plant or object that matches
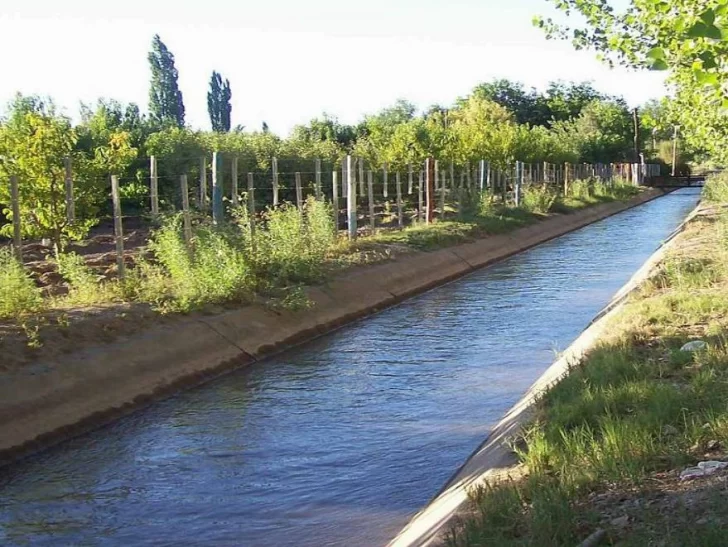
(494, 460)
(48, 401)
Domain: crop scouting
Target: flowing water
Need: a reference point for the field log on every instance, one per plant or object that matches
(341, 440)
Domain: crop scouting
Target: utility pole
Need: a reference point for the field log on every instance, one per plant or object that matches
(636, 113)
(674, 150)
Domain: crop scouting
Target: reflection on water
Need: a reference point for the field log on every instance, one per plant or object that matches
(339, 441)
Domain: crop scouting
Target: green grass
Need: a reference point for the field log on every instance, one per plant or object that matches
(716, 189)
(481, 217)
(635, 407)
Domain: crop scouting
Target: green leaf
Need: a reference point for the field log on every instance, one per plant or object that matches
(706, 78)
(659, 64)
(708, 17)
(656, 53)
(708, 60)
(701, 30)
(698, 30)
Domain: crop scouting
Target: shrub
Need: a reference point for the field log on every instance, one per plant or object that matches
(18, 293)
(538, 199)
(716, 189)
(215, 270)
(294, 244)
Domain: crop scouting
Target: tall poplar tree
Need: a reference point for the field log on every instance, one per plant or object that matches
(218, 103)
(165, 98)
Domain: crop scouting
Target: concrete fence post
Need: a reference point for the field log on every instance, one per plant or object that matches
(351, 198)
(299, 191)
(370, 191)
(317, 183)
(217, 208)
(154, 185)
(187, 225)
(234, 193)
(335, 198)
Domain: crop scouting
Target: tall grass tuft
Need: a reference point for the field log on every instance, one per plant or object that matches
(294, 244)
(538, 199)
(215, 270)
(85, 287)
(18, 294)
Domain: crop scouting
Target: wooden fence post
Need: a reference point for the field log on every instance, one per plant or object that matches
(360, 163)
(430, 189)
(400, 213)
(187, 225)
(154, 185)
(443, 189)
(274, 167)
(217, 209)
(118, 228)
(385, 188)
(351, 198)
(437, 175)
(17, 233)
(566, 179)
(517, 183)
(234, 171)
(335, 198)
(299, 191)
(420, 197)
(317, 184)
(370, 190)
(203, 184)
(70, 202)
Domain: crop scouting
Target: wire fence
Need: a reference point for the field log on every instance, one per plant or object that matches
(364, 197)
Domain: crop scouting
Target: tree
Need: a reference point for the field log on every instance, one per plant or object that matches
(529, 107)
(567, 101)
(34, 140)
(218, 103)
(165, 99)
(603, 132)
(687, 37)
(485, 130)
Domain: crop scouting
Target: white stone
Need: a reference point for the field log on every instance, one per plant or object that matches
(695, 345)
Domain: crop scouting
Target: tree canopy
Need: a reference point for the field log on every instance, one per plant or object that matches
(687, 37)
(165, 98)
(218, 103)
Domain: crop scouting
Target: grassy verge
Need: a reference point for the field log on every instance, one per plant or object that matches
(609, 442)
(480, 218)
(234, 264)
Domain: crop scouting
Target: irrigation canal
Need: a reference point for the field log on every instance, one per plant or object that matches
(340, 441)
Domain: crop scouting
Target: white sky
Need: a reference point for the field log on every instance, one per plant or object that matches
(291, 60)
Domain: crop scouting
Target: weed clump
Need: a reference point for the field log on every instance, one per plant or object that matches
(18, 294)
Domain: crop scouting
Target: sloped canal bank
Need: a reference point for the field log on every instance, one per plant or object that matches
(339, 441)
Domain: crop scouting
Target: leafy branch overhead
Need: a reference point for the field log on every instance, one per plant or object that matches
(688, 38)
